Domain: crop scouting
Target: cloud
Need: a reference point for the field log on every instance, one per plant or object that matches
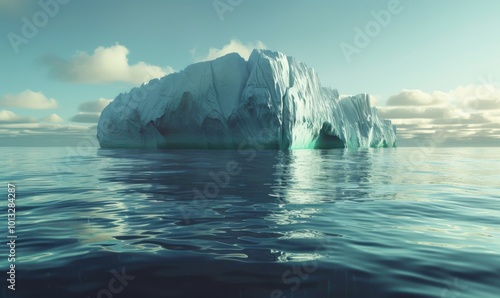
(465, 114)
(29, 100)
(418, 98)
(95, 106)
(52, 118)
(86, 117)
(47, 134)
(483, 104)
(472, 118)
(234, 46)
(17, 131)
(105, 65)
(415, 112)
(7, 117)
(90, 111)
(478, 97)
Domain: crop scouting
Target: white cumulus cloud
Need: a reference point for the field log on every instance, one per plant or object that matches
(234, 46)
(52, 118)
(104, 65)
(7, 117)
(29, 100)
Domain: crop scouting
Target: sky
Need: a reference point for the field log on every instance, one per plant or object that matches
(432, 67)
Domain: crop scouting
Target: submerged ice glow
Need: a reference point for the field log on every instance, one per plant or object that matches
(226, 102)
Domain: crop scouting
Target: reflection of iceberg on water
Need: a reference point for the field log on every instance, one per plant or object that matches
(223, 103)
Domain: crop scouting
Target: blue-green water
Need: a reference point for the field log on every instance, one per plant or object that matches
(395, 222)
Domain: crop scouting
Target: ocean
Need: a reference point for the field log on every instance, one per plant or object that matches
(389, 222)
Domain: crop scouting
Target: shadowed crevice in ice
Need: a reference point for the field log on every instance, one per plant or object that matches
(328, 139)
(229, 102)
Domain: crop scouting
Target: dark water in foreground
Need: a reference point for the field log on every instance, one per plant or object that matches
(307, 223)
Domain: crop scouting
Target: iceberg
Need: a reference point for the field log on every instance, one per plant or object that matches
(272, 100)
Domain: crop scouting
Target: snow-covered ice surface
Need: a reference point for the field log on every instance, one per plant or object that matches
(269, 101)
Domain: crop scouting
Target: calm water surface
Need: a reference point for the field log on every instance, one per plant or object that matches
(308, 223)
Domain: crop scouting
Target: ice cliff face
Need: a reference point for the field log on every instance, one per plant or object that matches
(271, 100)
